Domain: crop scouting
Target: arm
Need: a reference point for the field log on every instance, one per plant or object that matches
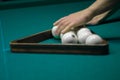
(82, 17)
(101, 6)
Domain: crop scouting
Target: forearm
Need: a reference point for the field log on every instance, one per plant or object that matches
(100, 6)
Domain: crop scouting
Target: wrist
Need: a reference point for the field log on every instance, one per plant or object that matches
(91, 12)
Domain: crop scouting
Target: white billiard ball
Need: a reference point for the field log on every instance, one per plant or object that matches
(94, 39)
(81, 30)
(61, 34)
(69, 37)
(83, 36)
(54, 34)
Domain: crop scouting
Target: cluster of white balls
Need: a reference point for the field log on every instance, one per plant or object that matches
(81, 36)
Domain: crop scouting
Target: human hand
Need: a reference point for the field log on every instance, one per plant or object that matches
(73, 20)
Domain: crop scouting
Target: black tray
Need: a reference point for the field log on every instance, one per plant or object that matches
(31, 44)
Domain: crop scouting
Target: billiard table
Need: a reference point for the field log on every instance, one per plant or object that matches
(19, 19)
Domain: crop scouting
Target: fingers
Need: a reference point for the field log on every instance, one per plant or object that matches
(64, 25)
(67, 28)
(61, 24)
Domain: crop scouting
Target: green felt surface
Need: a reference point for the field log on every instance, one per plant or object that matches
(10, 4)
(51, 41)
(21, 22)
(2, 55)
